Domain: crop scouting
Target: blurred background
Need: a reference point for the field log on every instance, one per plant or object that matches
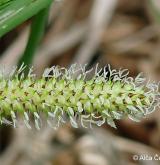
(123, 33)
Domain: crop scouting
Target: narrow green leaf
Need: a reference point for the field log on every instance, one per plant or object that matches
(18, 11)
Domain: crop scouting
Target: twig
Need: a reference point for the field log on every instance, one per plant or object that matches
(59, 45)
(136, 39)
(100, 17)
(11, 55)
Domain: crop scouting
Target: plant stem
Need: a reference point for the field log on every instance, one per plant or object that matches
(37, 30)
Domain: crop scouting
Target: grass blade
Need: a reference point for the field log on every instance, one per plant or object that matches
(18, 11)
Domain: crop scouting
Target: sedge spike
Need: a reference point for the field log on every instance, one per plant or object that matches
(62, 95)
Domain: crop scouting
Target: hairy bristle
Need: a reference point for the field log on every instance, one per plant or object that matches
(62, 95)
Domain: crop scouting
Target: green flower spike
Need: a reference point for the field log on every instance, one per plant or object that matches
(60, 96)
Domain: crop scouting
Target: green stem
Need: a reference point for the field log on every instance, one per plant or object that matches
(37, 30)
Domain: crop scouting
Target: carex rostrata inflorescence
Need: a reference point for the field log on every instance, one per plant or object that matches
(62, 95)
